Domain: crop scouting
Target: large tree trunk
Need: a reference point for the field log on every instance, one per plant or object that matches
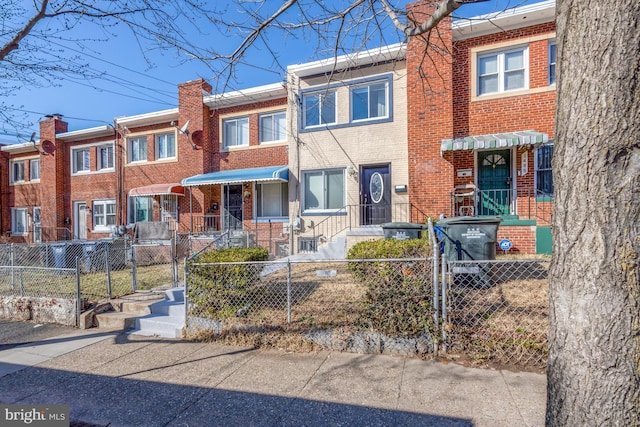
(594, 351)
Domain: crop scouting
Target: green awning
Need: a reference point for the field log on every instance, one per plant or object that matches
(236, 176)
(498, 140)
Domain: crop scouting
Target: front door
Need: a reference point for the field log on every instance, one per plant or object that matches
(494, 182)
(232, 213)
(375, 195)
(80, 220)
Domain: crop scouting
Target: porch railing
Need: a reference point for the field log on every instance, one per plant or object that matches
(363, 215)
(525, 203)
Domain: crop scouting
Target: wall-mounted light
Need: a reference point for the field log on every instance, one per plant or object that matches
(352, 171)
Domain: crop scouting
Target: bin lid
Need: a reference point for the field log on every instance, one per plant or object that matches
(469, 220)
(410, 225)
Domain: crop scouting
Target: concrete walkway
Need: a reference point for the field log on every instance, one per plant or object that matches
(115, 379)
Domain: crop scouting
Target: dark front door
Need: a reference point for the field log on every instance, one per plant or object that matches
(375, 195)
(232, 214)
(494, 182)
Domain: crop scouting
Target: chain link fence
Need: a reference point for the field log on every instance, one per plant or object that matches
(497, 311)
(381, 306)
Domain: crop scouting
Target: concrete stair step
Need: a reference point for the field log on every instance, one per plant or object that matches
(162, 326)
(115, 320)
(140, 308)
(167, 308)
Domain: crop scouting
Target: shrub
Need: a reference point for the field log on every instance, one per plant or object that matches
(221, 290)
(398, 297)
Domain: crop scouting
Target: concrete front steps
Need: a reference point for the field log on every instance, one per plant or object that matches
(166, 317)
(120, 313)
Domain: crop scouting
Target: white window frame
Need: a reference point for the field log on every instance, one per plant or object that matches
(552, 65)
(137, 144)
(101, 205)
(235, 140)
(17, 171)
(86, 161)
(282, 199)
(133, 211)
(23, 230)
(278, 133)
(320, 96)
(323, 208)
(368, 86)
(169, 140)
(100, 150)
(501, 72)
(34, 170)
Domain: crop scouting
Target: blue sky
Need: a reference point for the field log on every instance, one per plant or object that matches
(131, 86)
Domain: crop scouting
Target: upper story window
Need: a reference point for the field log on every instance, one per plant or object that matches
(319, 109)
(503, 71)
(17, 170)
(273, 127)
(104, 214)
(166, 146)
(552, 63)
(235, 132)
(324, 190)
(105, 157)
(80, 158)
(34, 169)
(544, 176)
(137, 149)
(272, 200)
(370, 101)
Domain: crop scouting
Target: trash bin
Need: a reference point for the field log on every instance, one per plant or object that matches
(59, 251)
(402, 230)
(471, 239)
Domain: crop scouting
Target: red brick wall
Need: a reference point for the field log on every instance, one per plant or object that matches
(523, 239)
(430, 114)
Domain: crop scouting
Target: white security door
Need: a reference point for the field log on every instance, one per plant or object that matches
(80, 220)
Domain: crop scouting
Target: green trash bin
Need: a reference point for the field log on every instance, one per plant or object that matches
(402, 230)
(470, 238)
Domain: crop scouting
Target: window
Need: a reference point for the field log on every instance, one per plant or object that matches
(37, 227)
(137, 148)
(80, 158)
(19, 221)
(104, 214)
(140, 209)
(552, 63)
(319, 109)
(105, 157)
(272, 200)
(273, 127)
(324, 190)
(502, 71)
(17, 171)
(236, 132)
(369, 102)
(544, 177)
(34, 170)
(166, 146)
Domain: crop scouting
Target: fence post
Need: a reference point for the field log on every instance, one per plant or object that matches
(186, 297)
(436, 296)
(78, 300)
(21, 282)
(444, 301)
(134, 276)
(288, 291)
(174, 260)
(13, 267)
(107, 265)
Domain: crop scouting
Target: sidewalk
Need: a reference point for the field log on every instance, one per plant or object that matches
(125, 380)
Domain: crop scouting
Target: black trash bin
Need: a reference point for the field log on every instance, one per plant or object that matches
(471, 239)
(402, 230)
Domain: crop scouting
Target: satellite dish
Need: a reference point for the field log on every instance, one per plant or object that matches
(183, 129)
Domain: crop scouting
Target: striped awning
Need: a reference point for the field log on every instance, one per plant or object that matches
(498, 140)
(237, 176)
(157, 189)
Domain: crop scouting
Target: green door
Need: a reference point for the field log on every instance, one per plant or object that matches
(494, 182)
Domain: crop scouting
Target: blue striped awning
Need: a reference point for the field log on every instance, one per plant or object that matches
(498, 140)
(237, 176)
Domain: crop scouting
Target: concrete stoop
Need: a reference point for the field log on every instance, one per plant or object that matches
(166, 317)
(119, 313)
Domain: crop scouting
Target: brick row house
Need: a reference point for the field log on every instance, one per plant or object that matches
(392, 134)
